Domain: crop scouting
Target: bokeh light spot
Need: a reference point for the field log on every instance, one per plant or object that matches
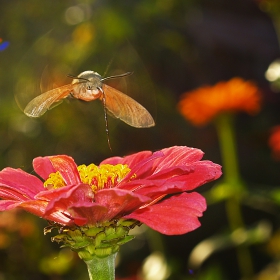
(155, 267)
(273, 72)
(77, 14)
(74, 15)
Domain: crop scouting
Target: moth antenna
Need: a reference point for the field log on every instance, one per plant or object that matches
(75, 77)
(117, 76)
(106, 117)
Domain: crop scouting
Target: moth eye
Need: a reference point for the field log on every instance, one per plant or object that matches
(88, 87)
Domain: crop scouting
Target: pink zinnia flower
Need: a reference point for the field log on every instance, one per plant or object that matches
(136, 187)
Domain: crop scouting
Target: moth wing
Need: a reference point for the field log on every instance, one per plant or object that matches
(127, 109)
(43, 102)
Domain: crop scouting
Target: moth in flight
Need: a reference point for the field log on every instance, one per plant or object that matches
(89, 86)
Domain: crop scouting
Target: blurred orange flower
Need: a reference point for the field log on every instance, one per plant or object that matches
(274, 142)
(201, 105)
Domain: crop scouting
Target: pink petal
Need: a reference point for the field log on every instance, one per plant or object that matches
(153, 189)
(177, 156)
(88, 213)
(144, 164)
(35, 207)
(60, 218)
(141, 164)
(43, 167)
(129, 160)
(9, 193)
(64, 164)
(67, 197)
(81, 192)
(176, 215)
(119, 202)
(21, 182)
(201, 173)
(78, 201)
(38, 208)
(143, 168)
(8, 204)
(175, 179)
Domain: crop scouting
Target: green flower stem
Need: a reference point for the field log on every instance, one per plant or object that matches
(235, 220)
(232, 180)
(224, 125)
(225, 130)
(102, 268)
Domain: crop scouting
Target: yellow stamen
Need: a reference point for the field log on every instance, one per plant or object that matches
(54, 181)
(105, 176)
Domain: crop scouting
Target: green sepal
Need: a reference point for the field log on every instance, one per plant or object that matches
(93, 231)
(128, 223)
(96, 241)
(126, 239)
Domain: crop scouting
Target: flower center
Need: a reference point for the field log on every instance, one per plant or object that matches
(98, 177)
(105, 176)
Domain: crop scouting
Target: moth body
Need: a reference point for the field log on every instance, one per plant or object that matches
(87, 86)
